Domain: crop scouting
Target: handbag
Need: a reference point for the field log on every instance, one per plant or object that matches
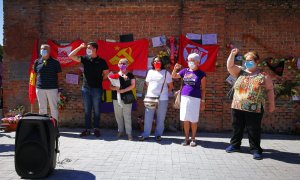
(230, 93)
(128, 98)
(153, 102)
(177, 96)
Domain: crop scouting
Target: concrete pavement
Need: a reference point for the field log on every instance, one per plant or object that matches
(108, 157)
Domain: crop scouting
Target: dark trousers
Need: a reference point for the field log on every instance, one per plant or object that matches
(252, 122)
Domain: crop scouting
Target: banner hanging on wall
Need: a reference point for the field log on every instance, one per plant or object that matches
(135, 52)
(60, 53)
(208, 54)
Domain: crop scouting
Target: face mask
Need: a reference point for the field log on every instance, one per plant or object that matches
(157, 65)
(44, 52)
(191, 65)
(89, 52)
(249, 64)
(122, 67)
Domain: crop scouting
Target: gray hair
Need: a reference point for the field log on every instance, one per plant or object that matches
(45, 45)
(194, 56)
(123, 60)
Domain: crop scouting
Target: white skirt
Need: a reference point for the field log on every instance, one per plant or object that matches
(189, 109)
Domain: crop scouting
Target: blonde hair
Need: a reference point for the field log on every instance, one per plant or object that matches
(254, 54)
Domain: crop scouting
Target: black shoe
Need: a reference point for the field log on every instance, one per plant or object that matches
(158, 138)
(97, 132)
(85, 133)
(141, 138)
(257, 156)
(231, 149)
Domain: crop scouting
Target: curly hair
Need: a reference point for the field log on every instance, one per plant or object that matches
(162, 63)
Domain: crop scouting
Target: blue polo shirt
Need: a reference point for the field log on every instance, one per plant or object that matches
(47, 73)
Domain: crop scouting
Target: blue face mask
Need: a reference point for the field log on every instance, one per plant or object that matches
(249, 64)
(44, 52)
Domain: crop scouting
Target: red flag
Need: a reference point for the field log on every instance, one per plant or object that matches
(106, 84)
(32, 74)
(135, 52)
(60, 53)
(208, 54)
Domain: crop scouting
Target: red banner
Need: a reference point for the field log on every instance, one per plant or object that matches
(135, 52)
(208, 54)
(60, 53)
(32, 74)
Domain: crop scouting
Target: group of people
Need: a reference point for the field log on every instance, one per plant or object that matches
(251, 90)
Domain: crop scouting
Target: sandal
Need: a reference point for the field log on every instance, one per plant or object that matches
(130, 138)
(193, 143)
(185, 143)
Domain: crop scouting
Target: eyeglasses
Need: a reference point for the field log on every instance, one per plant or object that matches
(122, 64)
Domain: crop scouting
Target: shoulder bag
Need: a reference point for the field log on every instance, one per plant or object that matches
(152, 102)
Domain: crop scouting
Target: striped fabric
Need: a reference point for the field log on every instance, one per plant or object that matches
(47, 73)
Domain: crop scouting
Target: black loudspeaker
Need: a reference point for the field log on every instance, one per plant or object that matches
(36, 146)
(126, 38)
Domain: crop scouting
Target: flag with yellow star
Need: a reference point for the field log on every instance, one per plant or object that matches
(136, 52)
(32, 74)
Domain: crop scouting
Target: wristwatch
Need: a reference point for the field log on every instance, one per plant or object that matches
(202, 100)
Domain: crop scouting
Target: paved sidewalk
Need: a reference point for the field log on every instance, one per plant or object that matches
(110, 158)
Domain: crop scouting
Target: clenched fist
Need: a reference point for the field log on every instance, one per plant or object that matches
(83, 45)
(177, 66)
(234, 51)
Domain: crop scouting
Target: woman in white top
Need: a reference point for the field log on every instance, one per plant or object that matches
(154, 81)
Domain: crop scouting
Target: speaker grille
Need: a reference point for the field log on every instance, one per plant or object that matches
(31, 157)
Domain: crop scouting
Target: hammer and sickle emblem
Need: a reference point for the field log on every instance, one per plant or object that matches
(123, 53)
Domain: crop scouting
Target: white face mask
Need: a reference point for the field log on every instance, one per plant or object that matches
(191, 65)
(89, 52)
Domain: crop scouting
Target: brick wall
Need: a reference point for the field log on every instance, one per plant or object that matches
(270, 27)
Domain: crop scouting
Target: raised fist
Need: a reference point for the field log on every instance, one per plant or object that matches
(177, 66)
(83, 45)
(234, 51)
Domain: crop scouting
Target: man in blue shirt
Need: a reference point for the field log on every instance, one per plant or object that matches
(47, 70)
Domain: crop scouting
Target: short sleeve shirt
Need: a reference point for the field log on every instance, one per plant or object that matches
(93, 69)
(249, 92)
(191, 82)
(47, 73)
(155, 80)
(124, 84)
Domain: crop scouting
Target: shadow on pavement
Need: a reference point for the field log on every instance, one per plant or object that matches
(287, 157)
(7, 148)
(105, 137)
(71, 174)
(5, 135)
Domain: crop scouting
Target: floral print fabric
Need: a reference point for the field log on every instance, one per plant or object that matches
(250, 93)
